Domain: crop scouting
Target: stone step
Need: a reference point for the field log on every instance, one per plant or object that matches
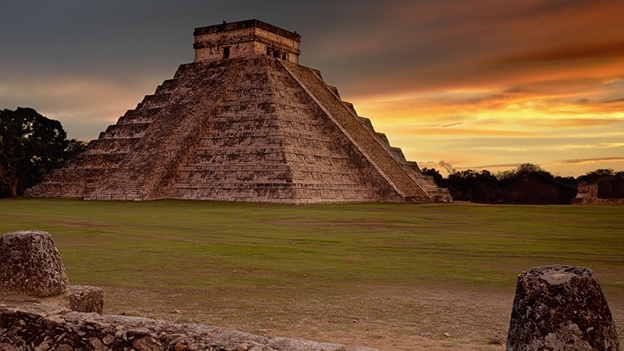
(359, 134)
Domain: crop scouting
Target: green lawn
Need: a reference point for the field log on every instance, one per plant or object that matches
(207, 255)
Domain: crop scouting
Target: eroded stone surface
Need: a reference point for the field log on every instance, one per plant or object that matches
(43, 327)
(31, 270)
(30, 266)
(588, 195)
(83, 298)
(560, 308)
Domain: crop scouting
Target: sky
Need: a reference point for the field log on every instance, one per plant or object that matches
(470, 84)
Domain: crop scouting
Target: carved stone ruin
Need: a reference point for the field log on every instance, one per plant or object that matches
(560, 308)
(588, 195)
(39, 310)
(243, 122)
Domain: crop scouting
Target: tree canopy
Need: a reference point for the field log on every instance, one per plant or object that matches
(31, 145)
(527, 184)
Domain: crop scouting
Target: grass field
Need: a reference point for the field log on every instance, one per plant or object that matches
(385, 275)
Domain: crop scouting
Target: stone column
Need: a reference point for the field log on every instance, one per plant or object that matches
(560, 308)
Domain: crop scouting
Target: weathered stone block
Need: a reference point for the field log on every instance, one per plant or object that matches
(560, 308)
(30, 266)
(84, 298)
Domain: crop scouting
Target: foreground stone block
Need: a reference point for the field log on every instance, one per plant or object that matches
(84, 298)
(560, 308)
(30, 266)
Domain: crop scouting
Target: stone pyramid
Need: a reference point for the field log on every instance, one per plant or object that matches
(243, 122)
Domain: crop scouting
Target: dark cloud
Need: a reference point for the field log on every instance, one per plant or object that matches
(590, 50)
(366, 46)
(500, 165)
(593, 160)
(615, 101)
(123, 37)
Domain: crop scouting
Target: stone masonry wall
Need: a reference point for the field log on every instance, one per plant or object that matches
(245, 39)
(31, 327)
(139, 174)
(588, 195)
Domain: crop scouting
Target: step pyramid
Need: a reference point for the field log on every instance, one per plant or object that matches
(243, 122)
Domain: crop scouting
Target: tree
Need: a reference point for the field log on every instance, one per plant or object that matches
(469, 185)
(596, 176)
(31, 145)
(432, 172)
(530, 184)
(527, 184)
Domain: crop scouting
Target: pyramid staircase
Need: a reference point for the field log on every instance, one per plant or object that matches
(375, 150)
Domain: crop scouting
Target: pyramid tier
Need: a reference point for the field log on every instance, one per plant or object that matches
(248, 129)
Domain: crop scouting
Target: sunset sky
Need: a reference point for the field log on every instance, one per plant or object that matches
(479, 84)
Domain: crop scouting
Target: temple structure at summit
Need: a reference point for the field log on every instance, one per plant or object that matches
(243, 122)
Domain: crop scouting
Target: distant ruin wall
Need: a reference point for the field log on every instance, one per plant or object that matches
(588, 195)
(597, 201)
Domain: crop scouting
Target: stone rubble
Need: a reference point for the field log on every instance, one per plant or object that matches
(84, 298)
